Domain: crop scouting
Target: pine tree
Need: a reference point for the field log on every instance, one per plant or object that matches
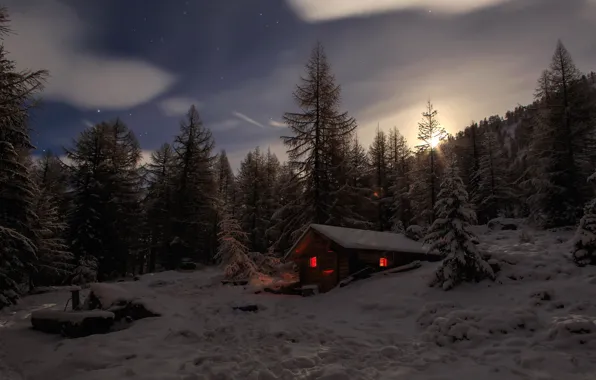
(252, 185)
(232, 250)
(563, 143)
(289, 197)
(106, 198)
(355, 199)
(379, 159)
(159, 205)
(584, 241)
(431, 133)
(226, 182)
(54, 261)
(17, 191)
(420, 188)
(450, 235)
(271, 195)
(318, 129)
(195, 198)
(494, 192)
(400, 166)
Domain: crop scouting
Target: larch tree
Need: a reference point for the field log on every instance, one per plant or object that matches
(450, 235)
(318, 128)
(18, 91)
(195, 198)
(430, 135)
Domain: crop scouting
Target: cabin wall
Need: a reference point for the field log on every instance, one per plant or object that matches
(362, 258)
(325, 274)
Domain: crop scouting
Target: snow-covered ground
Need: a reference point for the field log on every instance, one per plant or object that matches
(535, 322)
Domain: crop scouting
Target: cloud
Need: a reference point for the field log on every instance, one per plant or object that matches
(319, 11)
(49, 35)
(177, 106)
(225, 125)
(277, 124)
(247, 119)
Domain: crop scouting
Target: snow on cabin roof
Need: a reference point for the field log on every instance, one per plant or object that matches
(352, 238)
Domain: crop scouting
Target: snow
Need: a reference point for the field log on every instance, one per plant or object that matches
(352, 238)
(536, 321)
(111, 294)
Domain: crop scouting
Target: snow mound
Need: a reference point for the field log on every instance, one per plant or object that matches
(499, 224)
(110, 294)
(473, 326)
(573, 331)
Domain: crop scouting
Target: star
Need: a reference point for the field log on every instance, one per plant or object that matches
(184, 13)
(98, 111)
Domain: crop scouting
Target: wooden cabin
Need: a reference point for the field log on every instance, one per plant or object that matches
(326, 255)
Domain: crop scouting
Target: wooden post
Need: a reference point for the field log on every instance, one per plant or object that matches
(76, 300)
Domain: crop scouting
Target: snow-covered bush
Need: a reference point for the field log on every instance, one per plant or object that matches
(451, 237)
(584, 241)
(472, 326)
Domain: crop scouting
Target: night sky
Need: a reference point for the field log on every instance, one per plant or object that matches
(147, 61)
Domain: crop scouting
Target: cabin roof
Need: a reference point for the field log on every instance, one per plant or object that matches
(353, 238)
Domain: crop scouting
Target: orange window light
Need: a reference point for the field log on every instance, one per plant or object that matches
(313, 262)
(383, 262)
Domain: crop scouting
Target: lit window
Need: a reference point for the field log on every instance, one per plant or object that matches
(313, 262)
(383, 262)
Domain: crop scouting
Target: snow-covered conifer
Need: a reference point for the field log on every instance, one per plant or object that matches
(232, 251)
(584, 241)
(450, 235)
(17, 95)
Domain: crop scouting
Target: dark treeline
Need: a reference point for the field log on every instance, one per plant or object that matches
(100, 214)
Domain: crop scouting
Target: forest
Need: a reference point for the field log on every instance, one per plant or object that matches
(100, 214)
